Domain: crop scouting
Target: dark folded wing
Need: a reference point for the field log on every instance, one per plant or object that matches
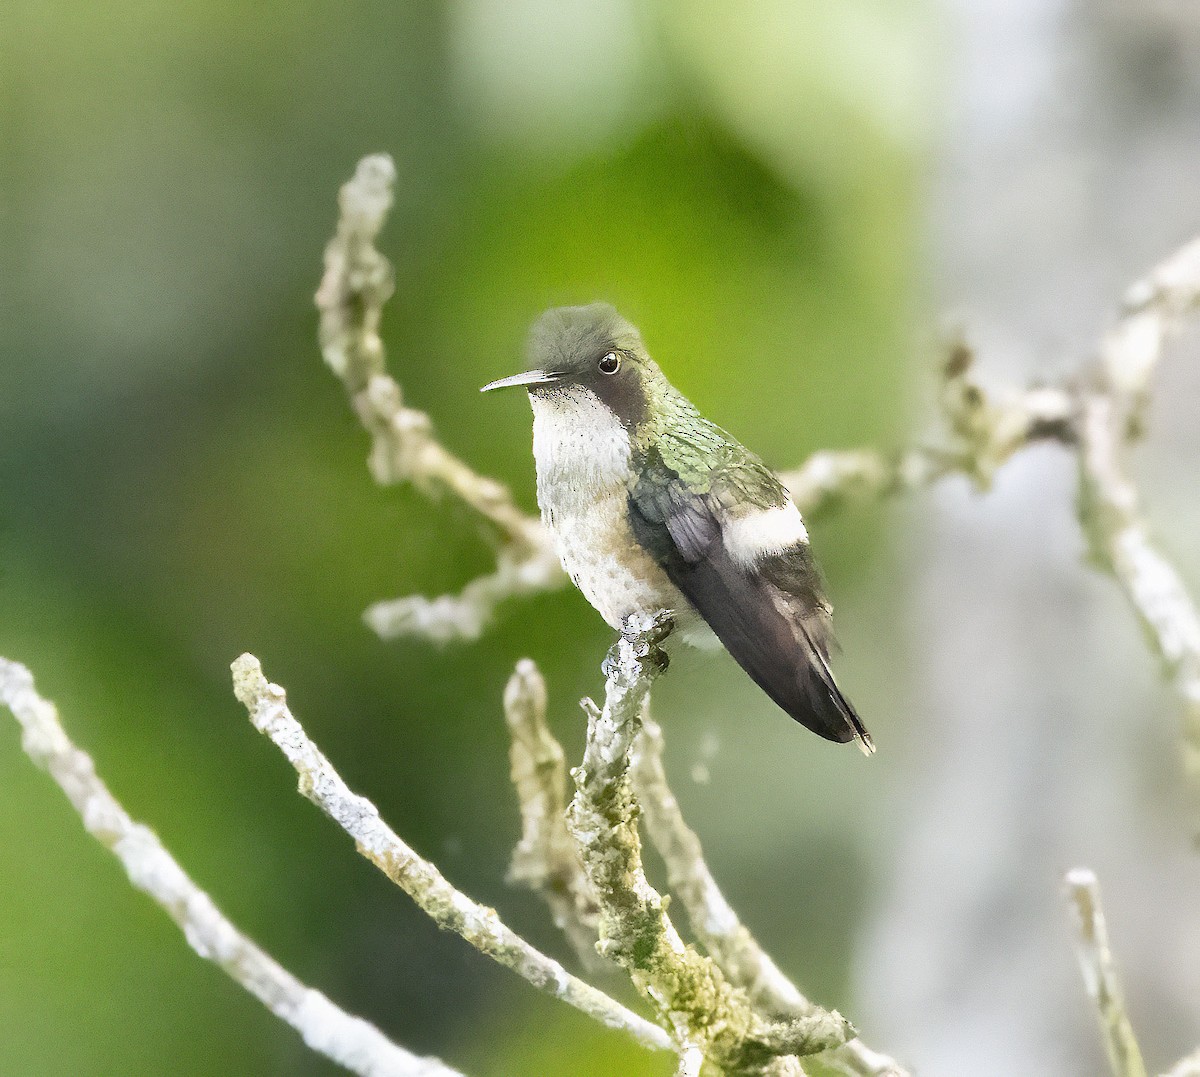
(776, 636)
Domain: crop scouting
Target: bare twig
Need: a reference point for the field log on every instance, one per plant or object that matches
(450, 909)
(707, 1015)
(546, 859)
(1154, 309)
(1100, 974)
(465, 615)
(347, 1040)
(357, 282)
(1112, 413)
(1120, 544)
(984, 430)
(713, 921)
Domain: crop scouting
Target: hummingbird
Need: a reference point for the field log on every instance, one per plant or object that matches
(653, 507)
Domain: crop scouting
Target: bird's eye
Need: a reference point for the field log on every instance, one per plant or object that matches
(610, 364)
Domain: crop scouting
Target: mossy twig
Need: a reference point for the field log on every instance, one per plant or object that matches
(713, 920)
(706, 1014)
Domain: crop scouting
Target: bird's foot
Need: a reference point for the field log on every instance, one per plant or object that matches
(644, 633)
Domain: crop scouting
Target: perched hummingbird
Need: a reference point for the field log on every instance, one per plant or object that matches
(653, 508)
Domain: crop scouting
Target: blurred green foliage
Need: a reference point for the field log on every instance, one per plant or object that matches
(181, 480)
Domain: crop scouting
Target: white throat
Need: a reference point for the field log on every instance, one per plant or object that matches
(580, 447)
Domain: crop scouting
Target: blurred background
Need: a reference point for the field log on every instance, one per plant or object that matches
(787, 198)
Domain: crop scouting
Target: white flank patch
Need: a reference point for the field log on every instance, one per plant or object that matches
(764, 532)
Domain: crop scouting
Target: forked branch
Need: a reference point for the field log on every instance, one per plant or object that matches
(358, 280)
(550, 868)
(449, 908)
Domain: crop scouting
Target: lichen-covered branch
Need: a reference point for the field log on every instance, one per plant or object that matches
(357, 282)
(450, 909)
(349, 1041)
(546, 859)
(831, 478)
(707, 1015)
(713, 921)
(1100, 974)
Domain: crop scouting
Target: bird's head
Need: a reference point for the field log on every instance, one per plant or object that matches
(591, 352)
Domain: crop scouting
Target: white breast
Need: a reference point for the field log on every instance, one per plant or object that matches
(583, 455)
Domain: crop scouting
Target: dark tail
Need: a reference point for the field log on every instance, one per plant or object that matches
(836, 718)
